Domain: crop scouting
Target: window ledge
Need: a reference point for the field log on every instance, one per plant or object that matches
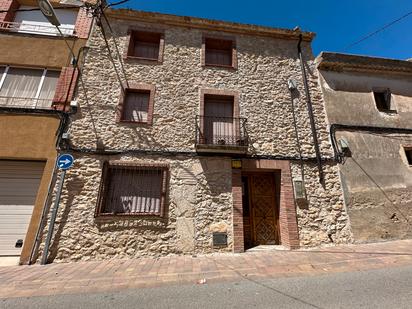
(110, 216)
(151, 60)
(145, 123)
(210, 65)
(388, 112)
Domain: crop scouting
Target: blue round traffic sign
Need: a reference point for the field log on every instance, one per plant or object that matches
(65, 161)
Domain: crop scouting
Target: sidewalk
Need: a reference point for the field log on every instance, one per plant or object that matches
(111, 275)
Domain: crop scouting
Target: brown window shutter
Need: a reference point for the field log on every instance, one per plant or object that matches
(9, 7)
(65, 87)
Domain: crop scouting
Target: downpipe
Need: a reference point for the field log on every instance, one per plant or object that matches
(310, 112)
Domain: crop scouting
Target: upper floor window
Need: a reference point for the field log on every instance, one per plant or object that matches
(219, 52)
(408, 154)
(31, 88)
(34, 22)
(146, 45)
(383, 100)
(136, 104)
(132, 189)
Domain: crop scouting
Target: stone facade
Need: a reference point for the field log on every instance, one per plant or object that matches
(375, 174)
(200, 199)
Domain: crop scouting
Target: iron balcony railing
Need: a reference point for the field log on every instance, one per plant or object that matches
(221, 131)
(25, 102)
(35, 28)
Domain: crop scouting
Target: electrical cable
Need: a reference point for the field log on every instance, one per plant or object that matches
(377, 31)
(119, 56)
(116, 3)
(336, 126)
(109, 50)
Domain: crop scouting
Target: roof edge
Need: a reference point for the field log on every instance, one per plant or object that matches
(329, 61)
(207, 24)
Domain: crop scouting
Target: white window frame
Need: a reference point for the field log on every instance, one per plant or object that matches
(3, 78)
(39, 87)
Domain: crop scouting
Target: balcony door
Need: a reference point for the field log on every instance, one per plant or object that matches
(218, 121)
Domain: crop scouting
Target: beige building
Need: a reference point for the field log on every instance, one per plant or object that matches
(188, 145)
(368, 103)
(36, 83)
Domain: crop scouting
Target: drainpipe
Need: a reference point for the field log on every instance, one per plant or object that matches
(310, 111)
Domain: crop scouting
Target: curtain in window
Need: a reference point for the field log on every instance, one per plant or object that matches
(218, 57)
(136, 106)
(219, 126)
(20, 87)
(134, 191)
(146, 50)
(48, 89)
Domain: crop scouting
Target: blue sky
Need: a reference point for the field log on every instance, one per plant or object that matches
(337, 23)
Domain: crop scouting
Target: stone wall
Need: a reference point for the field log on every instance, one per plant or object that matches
(199, 202)
(200, 190)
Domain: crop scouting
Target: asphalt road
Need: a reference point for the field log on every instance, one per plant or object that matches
(385, 288)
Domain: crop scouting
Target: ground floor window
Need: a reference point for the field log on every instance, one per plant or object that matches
(132, 189)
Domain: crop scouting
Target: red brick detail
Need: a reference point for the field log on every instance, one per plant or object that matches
(65, 87)
(238, 239)
(289, 233)
(137, 86)
(83, 24)
(9, 6)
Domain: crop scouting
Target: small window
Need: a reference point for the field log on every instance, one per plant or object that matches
(219, 52)
(408, 153)
(136, 104)
(145, 45)
(383, 100)
(132, 189)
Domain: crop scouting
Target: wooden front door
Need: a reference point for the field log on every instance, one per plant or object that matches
(264, 219)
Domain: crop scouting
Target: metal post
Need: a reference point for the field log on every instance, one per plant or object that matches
(52, 220)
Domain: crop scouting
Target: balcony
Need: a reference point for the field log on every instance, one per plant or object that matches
(225, 135)
(31, 103)
(35, 28)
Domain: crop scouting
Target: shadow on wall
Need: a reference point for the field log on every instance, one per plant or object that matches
(384, 194)
(74, 186)
(213, 170)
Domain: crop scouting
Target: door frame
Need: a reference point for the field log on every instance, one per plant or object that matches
(288, 226)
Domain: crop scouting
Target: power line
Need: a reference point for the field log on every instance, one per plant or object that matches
(119, 56)
(110, 53)
(116, 3)
(377, 31)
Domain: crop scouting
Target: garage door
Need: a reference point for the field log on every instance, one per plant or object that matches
(19, 183)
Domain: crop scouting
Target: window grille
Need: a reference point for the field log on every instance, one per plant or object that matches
(132, 189)
(136, 105)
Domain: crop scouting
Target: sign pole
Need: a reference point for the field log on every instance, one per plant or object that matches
(64, 162)
(53, 219)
